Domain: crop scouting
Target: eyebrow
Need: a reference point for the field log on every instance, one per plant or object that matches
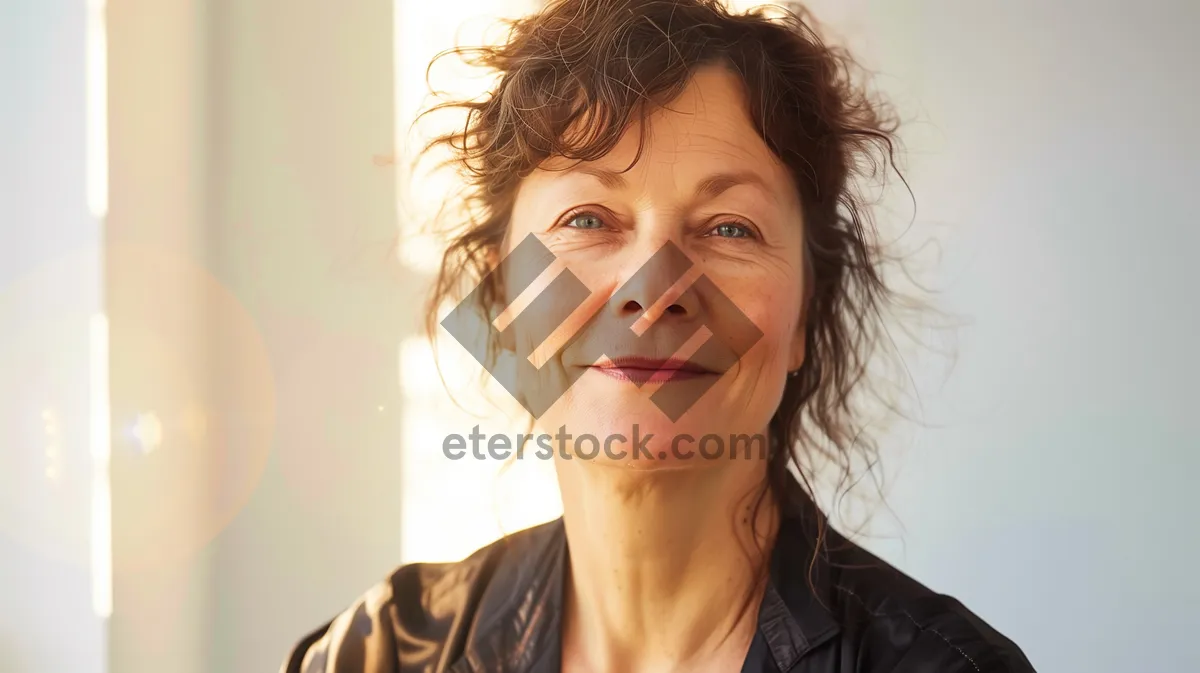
(710, 187)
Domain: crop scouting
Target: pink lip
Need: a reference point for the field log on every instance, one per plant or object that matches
(651, 370)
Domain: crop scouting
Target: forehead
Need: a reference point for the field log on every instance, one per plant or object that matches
(706, 129)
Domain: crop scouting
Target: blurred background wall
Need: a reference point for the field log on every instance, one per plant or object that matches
(256, 309)
(1051, 156)
(272, 417)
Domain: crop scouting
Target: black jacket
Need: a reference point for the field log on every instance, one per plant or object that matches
(499, 610)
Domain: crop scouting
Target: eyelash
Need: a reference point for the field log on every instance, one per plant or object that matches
(571, 216)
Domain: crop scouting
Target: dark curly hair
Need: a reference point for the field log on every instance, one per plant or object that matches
(575, 75)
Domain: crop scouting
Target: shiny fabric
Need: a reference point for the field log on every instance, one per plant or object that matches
(498, 611)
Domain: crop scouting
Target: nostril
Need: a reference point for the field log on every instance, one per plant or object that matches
(632, 306)
(676, 309)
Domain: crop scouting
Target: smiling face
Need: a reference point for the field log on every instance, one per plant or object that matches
(707, 191)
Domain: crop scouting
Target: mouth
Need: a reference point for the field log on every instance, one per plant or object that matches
(641, 370)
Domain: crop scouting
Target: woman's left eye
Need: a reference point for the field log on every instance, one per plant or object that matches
(732, 230)
(585, 221)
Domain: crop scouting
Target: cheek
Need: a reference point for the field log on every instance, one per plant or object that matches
(774, 307)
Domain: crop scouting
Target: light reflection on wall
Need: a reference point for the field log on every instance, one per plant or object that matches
(451, 507)
(100, 449)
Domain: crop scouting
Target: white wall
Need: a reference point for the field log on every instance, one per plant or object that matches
(1054, 154)
(256, 315)
(164, 312)
(50, 286)
(255, 321)
(302, 226)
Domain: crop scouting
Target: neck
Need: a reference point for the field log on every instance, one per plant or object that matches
(667, 567)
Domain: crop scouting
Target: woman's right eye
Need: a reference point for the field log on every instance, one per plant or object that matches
(584, 221)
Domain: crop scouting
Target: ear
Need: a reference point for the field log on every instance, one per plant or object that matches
(799, 343)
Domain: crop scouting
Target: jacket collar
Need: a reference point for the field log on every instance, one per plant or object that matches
(517, 622)
(517, 626)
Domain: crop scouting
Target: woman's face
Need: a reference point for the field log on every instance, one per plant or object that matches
(708, 192)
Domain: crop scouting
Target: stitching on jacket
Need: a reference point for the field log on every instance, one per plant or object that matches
(917, 624)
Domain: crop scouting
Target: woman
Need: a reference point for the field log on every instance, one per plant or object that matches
(689, 172)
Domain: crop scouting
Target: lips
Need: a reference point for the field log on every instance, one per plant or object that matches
(642, 370)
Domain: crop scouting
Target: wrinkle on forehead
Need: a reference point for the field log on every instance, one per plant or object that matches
(707, 125)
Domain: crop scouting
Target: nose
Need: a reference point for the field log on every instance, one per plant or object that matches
(657, 288)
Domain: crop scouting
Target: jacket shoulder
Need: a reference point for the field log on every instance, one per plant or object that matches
(905, 627)
(426, 608)
(937, 632)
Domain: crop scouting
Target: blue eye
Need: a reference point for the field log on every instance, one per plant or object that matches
(731, 230)
(585, 221)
